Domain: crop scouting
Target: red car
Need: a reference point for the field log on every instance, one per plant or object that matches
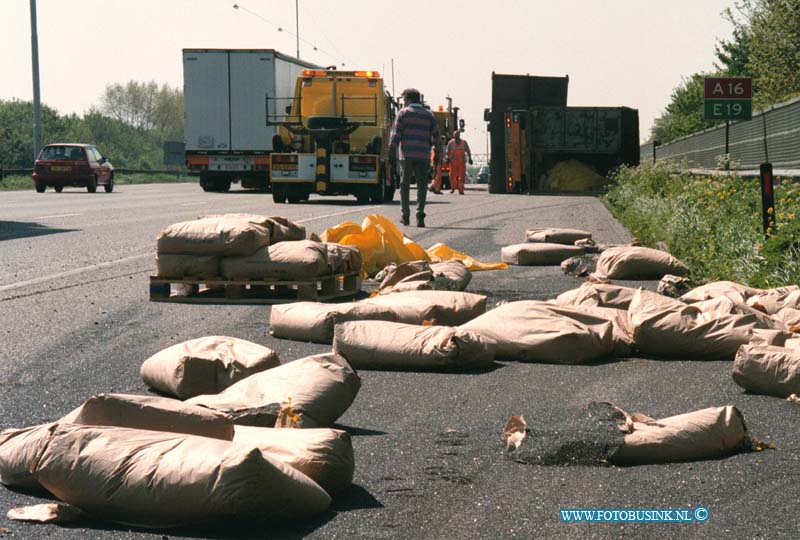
(79, 165)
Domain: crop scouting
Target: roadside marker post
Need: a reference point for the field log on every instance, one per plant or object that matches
(767, 198)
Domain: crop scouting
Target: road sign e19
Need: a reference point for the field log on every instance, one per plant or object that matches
(728, 109)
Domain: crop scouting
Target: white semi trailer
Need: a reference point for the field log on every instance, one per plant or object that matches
(225, 93)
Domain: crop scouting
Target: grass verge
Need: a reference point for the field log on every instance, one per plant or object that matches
(13, 183)
(713, 224)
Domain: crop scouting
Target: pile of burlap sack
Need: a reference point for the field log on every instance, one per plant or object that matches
(579, 255)
(238, 436)
(248, 247)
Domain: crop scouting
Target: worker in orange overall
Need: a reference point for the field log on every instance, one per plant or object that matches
(436, 185)
(457, 155)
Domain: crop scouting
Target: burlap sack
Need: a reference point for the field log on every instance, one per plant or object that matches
(288, 261)
(735, 291)
(445, 308)
(19, 449)
(636, 262)
(421, 275)
(219, 235)
(622, 336)
(314, 321)
(324, 455)
(281, 229)
(773, 301)
(766, 369)
(668, 328)
(789, 318)
(182, 266)
(538, 254)
(396, 346)
(320, 387)
(597, 294)
(703, 434)
(532, 331)
(343, 259)
(556, 236)
(157, 479)
(450, 275)
(205, 365)
(286, 230)
(152, 413)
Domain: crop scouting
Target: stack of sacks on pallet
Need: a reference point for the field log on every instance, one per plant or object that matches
(637, 262)
(205, 365)
(301, 260)
(319, 388)
(534, 331)
(160, 450)
(422, 275)
(396, 346)
(315, 321)
(194, 248)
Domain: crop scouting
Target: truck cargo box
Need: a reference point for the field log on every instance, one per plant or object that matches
(226, 134)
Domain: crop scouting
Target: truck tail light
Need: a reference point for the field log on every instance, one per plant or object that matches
(284, 158)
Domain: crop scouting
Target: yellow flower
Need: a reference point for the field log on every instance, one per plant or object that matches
(769, 230)
(710, 193)
(791, 216)
(770, 210)
(781, 215)
(760, 246)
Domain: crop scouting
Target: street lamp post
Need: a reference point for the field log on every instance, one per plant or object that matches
(37, 110)
(297, 25)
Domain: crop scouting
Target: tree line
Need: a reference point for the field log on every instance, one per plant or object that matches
(129, 125)
(764, 45)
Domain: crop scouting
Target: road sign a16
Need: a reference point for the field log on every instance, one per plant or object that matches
(728, 88)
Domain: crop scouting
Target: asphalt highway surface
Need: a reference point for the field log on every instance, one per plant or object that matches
(76, 321)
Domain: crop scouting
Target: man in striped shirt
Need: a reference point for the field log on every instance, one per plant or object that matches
(414, 132)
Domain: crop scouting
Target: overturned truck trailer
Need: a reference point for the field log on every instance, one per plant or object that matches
(567, 148)
(517, 92)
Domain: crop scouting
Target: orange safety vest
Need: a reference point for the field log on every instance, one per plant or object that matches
(457, 150)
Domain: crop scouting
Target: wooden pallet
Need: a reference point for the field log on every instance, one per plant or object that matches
(269, 291)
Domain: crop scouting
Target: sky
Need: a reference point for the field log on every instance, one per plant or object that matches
(616, 52)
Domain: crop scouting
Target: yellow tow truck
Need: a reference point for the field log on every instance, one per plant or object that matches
(333, 137)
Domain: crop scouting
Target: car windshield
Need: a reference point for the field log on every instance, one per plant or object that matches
(63, 153)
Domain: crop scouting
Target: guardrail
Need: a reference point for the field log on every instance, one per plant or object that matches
(28, 172)
(773, 135)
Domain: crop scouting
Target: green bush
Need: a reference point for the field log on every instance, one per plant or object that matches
(713, 224)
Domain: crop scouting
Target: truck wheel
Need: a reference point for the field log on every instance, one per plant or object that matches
(40, 187)
(109, 187)
(91, 185)
(388, 193)
(223, 185)
(58, 187)
(206, 183)
(279, 193)
(362, 198)
(376, 194)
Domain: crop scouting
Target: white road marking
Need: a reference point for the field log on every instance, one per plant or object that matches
(192, 203)
(56, 216)
(109, 264)
(73, 272)
(337, 214)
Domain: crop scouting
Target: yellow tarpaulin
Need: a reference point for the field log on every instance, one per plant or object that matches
(381, 243)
